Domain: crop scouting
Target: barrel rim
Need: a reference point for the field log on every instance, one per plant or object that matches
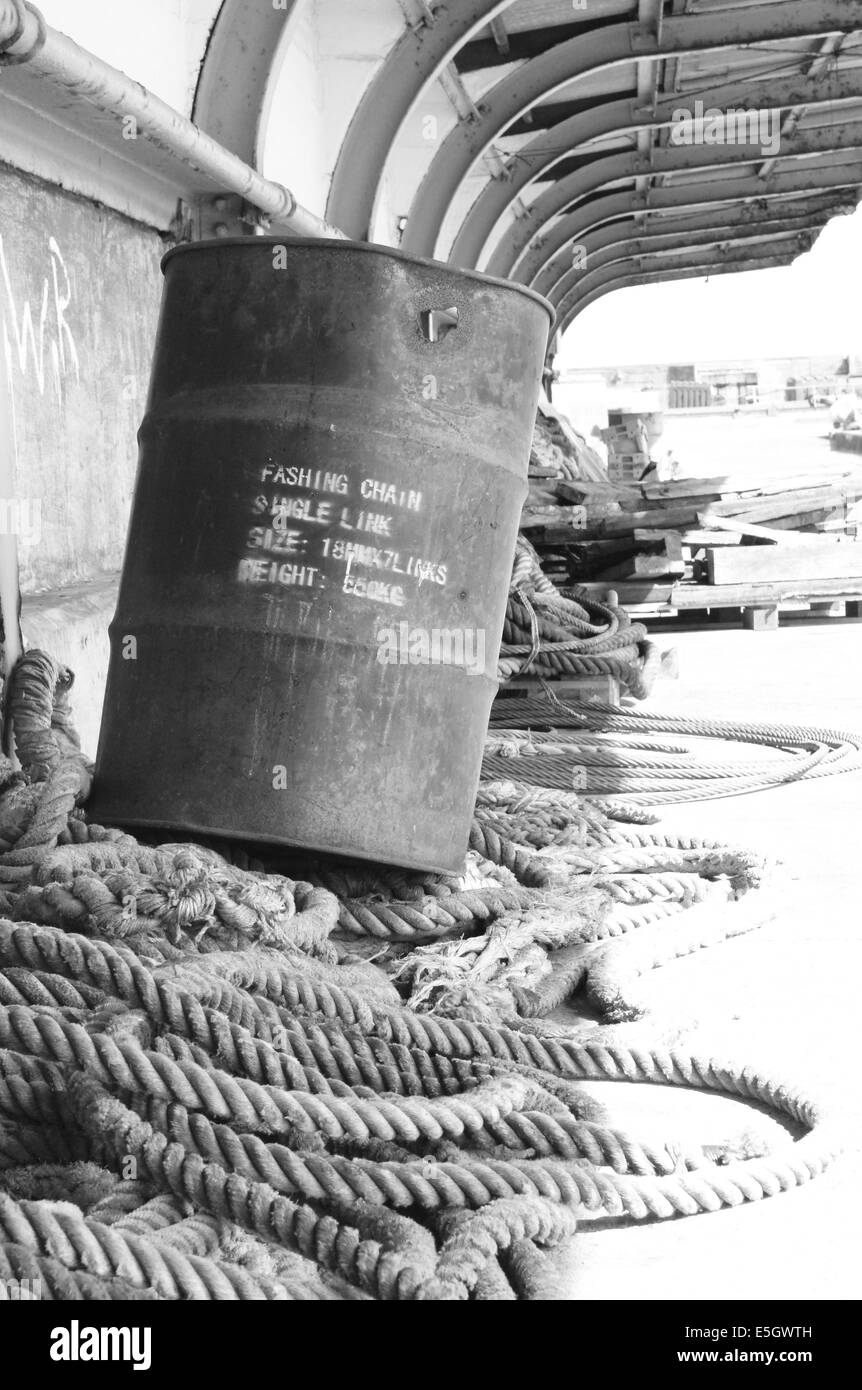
(339, 243)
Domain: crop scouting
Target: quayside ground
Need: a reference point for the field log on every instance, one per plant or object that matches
(787, 996)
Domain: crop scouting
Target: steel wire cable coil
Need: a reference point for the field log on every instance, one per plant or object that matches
(806, 752)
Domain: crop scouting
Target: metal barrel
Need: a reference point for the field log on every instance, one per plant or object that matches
(332, 467)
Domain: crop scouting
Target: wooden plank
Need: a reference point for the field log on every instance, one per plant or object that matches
(569, 521)
(797, 482)
(644, 567)
(825, 516)
(683, 487)
(672, 519)
(670, 540)
(787, 504)
(696, 540)
(740, 484)
(777, 562)
(572, 491)
(630, 593)
(739, 528)
(666, 601)
(760, 619)
(685, 596)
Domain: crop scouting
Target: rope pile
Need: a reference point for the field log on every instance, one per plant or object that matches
(229, 1077)
(548, 633)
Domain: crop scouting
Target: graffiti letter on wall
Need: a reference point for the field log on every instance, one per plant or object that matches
(64, 354)
(29, 342)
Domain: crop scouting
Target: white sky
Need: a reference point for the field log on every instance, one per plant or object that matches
(810, 308)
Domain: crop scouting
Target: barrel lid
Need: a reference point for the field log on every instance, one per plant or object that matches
(371, 247)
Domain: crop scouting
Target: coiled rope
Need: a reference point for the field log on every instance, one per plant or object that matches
(224, 1078)
(548, 634)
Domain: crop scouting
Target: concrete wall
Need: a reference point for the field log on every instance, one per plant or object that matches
(80, 288)
(79, 295)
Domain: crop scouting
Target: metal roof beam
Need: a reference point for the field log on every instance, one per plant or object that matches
(482, 54)
(590, 52)
(687, 228)
(731, 254)
(543, 155)
(824, 57)
(551, 113)
(630, 242)
(667, 160)
(650, 16)
(500, 35)
(230, 97)
(660, 277)
(414, 62)
(574, 227)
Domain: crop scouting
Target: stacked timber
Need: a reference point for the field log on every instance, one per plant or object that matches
(551, 639)
(731, 541)
(559, 454)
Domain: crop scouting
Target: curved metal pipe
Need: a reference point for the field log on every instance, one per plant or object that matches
(557, 143)
(600, 48)
(57, 58)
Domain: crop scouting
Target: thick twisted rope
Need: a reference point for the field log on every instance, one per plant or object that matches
(293, 1128)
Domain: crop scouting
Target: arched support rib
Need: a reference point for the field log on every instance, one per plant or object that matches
(672, 159)
(601, 48)
(415, 61)
(624, 248)
(733, 254)
(816, 208)
(556, 144)
(660, 277)
(231, 94)
(844, 178)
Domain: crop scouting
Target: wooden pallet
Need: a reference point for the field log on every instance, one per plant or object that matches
(824, 559)
(760, 604)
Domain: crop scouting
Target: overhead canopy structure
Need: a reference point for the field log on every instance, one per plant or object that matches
(593, 145)
(574, 145)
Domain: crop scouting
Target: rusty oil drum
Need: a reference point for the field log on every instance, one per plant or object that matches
(332, 463)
